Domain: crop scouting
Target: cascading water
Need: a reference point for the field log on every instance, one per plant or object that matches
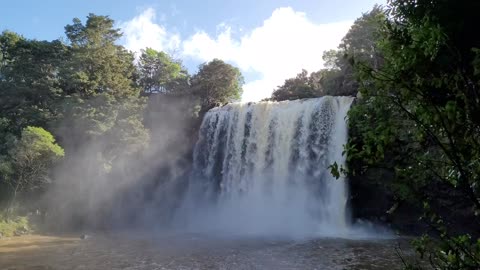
(262, 168)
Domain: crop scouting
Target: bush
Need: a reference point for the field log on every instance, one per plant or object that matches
(14, 227)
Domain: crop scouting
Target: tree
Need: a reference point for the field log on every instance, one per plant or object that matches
(217, 83)
(421, 107)
(159, 73)
(31, 160)
(361, 41)
(97, 65)
(99, 79)
(302, 86)
(358, 47)
(29, 81)
(8, 40)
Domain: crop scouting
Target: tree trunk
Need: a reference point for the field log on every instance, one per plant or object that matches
(9, 212)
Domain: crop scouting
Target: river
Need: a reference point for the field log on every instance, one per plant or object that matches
(193, 251)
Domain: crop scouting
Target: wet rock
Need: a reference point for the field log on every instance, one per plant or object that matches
(359, 95)
(21, 231)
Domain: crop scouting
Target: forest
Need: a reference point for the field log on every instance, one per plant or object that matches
(86, 115)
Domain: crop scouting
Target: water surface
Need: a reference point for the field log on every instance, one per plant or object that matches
(192, 251)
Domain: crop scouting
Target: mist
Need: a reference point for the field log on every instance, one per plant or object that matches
(252, 169)
(136, 191)
(254, 175)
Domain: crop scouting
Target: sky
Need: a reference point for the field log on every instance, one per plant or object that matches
(269, 40)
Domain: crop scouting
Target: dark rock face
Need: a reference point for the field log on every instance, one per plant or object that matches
(372, 201)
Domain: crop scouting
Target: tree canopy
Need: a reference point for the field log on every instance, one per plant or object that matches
(418, 119)
(28, 164)
(92, 95)
(217, 83)
(159, 73)
(338, 78)
(302, 86)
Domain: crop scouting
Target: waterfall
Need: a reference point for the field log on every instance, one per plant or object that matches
(262, 168)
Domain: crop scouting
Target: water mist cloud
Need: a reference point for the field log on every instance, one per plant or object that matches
(132, 191)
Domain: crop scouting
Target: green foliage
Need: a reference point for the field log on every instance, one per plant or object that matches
(31, 159)
(37, 141)
(217, 83)
(418, 118)
(8, 41)
(29, 81)
(447, 251)
(13, 227)
(96, 65)
(85, 92)
(102, 101)
(358, 47)
(302, 86)
(159, 73)
(338, 78)
(360, 44)
(335, 170)
(92, 94)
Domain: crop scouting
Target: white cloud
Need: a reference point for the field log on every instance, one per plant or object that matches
(279, 49)
(142, 31)
(286, 42)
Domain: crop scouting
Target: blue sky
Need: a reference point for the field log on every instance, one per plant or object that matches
(270, 40)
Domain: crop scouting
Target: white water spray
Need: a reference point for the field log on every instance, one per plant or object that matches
(262, 168)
